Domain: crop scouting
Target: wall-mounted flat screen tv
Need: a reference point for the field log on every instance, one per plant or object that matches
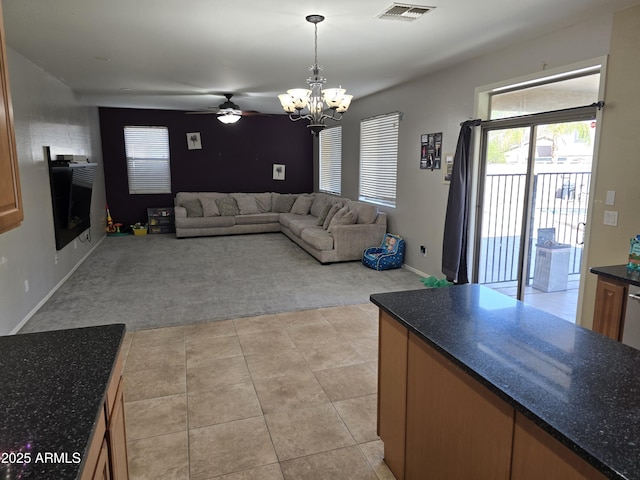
(71, 188)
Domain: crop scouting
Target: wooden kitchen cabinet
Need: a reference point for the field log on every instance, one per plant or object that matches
(451, 416)
(392, 388)
(107, 457)
(609, 309)
(11, 214)
(536, 455)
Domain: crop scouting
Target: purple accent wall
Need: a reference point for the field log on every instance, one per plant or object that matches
(234, 158)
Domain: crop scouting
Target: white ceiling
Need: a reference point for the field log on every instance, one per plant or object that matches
(183, 54)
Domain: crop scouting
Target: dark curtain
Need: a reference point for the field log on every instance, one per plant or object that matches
(455, 241)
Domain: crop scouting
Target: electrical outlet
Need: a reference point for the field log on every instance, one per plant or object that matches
(26, 286)
(55, 259)
(423, 250)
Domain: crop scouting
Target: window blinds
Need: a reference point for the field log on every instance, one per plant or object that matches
(148, 167)
(331, 160)
(379, 158)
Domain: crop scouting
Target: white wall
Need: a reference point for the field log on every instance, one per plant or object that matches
(45, 113)
(619, 155)
(439, 103)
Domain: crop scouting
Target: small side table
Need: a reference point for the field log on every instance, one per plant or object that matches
(161, 220)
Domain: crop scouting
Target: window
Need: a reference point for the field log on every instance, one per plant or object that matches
(331, 160)
(148, 168)
(379, 158)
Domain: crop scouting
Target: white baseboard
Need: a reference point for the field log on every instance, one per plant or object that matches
(17, 328)
(414, 270)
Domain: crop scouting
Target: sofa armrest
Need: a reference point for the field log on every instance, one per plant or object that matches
(179, 212)
(350, 241)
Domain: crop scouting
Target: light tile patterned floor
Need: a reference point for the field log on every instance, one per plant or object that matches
(290, 396)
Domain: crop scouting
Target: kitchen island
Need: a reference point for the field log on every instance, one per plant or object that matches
(62, 406)
(475, 384)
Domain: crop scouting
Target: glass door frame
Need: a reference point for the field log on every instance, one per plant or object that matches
(531, 121)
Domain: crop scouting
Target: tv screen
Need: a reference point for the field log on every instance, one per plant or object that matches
(71, 187)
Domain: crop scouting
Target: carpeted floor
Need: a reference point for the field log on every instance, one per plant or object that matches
(157, 280)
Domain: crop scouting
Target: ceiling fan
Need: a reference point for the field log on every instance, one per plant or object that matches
(228, 112)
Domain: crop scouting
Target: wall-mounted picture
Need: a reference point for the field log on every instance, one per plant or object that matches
(431, 151)
(278, 171)
(193, 141)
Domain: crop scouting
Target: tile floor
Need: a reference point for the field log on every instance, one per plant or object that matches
(276, 397)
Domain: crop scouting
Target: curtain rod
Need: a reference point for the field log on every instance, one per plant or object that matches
(477, 122)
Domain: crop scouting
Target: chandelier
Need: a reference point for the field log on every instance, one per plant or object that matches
(313, 99)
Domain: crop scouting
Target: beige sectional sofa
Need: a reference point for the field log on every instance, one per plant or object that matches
(331, 228)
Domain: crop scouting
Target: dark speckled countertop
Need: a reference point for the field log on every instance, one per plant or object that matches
(616, 272)
(52, 388)
(581, 387)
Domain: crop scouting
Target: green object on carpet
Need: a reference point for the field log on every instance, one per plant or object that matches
(434, 282)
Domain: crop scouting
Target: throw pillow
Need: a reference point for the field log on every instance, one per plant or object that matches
(302, 205)
(264, 202)
(343, 217)
(334, 209)
(282, 203)
(209, 207)
(246, 203)
(365, 212)
(323, 215)
(227, 206)
(193, 207)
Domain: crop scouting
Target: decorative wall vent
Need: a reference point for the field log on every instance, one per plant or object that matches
(404, 12)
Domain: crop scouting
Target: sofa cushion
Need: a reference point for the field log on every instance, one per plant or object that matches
(323, 214)
(193, 207)
(205, 222)
(228, 206)
(282, 203)
(263, 200)
(246, 203)
(334, 209)
(343, 217)
(319, 202)
(365, 212)
(318, 238)
(209, 207)
(256, 218)
(296, 223)
(302, 205)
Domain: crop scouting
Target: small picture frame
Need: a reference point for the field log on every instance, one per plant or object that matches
(193, 141)
(278, 171)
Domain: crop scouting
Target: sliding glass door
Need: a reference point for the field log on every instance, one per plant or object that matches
(533, 209)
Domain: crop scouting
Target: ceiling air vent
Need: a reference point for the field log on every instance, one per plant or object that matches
(404, 12)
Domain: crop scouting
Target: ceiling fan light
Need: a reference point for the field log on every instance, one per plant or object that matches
(333, 96)
(228, 118)
(344, 103)
(300, 97)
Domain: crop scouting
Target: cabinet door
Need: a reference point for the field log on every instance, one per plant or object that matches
(536, 455)
(609, 308)
(456, 428)
(116, 435)
(10, 200)
(102, 467)
(392, 387)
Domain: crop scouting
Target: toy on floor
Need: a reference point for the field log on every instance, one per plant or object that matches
(387, 256)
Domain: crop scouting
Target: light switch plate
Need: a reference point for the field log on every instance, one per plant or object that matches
(611, 218)
(611, 197)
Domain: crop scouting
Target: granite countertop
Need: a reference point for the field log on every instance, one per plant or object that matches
(52, 389)
(616, 272)
(579, 386)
